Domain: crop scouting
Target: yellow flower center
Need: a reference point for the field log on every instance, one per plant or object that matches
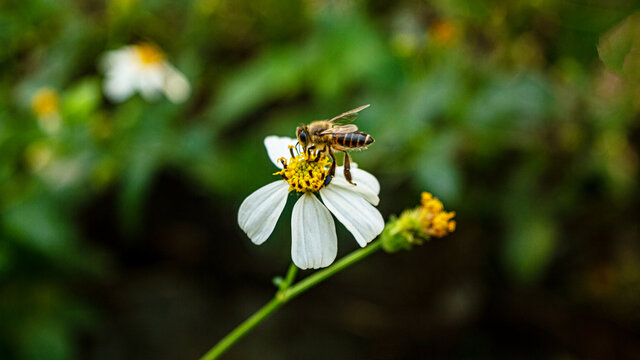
(149, 54)
(435, 220)
(304, 172)
(45, 102)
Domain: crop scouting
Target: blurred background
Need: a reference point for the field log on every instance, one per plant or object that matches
(118, 230)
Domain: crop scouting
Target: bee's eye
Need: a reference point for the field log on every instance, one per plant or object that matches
(303, 137)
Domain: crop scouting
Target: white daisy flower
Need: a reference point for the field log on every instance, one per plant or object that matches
(314, 241)
(142, 68)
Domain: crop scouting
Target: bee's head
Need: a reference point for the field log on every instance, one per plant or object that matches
(302, 133)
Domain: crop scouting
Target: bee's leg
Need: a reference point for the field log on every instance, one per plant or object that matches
(332, 169)
(309, 149)
(319, 153)
(347, 167)
(333, 161)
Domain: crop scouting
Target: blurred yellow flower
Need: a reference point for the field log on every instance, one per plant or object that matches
(45, 102)
(445, 32)
(149, 54)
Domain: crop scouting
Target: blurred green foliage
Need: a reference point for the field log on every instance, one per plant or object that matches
(503, 110)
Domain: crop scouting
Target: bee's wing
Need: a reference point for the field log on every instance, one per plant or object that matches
(343, 129)
(348, 116)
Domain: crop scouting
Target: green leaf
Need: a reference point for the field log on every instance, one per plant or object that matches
(46, 340)
(40, 224)
(529, 247)
(82, 99)
(437, 171)
(618, 48)
(508, 102)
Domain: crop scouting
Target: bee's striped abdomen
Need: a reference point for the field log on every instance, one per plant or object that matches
(354, 140)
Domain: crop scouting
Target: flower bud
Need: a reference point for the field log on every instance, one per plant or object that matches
(415, 226)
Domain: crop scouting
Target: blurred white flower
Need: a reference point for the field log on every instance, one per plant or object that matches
(142, 68)
(314, 241)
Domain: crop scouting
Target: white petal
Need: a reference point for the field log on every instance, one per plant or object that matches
(359, 217)
(113, 59)
(118, 87)
(314, 243)
(150, 82)
(120, 74)
(277, 147)
(361, 177)
(176, 86)
(360, 188)
(260, 211)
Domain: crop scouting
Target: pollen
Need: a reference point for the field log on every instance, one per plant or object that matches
(304, 172)
(45, 102)
(435, 220)
(149, 54)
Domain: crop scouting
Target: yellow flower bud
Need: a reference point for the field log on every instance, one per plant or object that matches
(415, 226)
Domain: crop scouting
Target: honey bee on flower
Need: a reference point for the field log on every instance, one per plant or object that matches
(142, 68)
(325, 136)
(314, 242)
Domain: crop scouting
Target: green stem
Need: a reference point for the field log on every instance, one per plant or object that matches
(286, 293)
(318, 276)
(291, 275)
(242, 329)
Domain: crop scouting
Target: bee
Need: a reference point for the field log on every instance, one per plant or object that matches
(324, 136)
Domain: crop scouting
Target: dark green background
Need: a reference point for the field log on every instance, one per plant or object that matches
(126, 245)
